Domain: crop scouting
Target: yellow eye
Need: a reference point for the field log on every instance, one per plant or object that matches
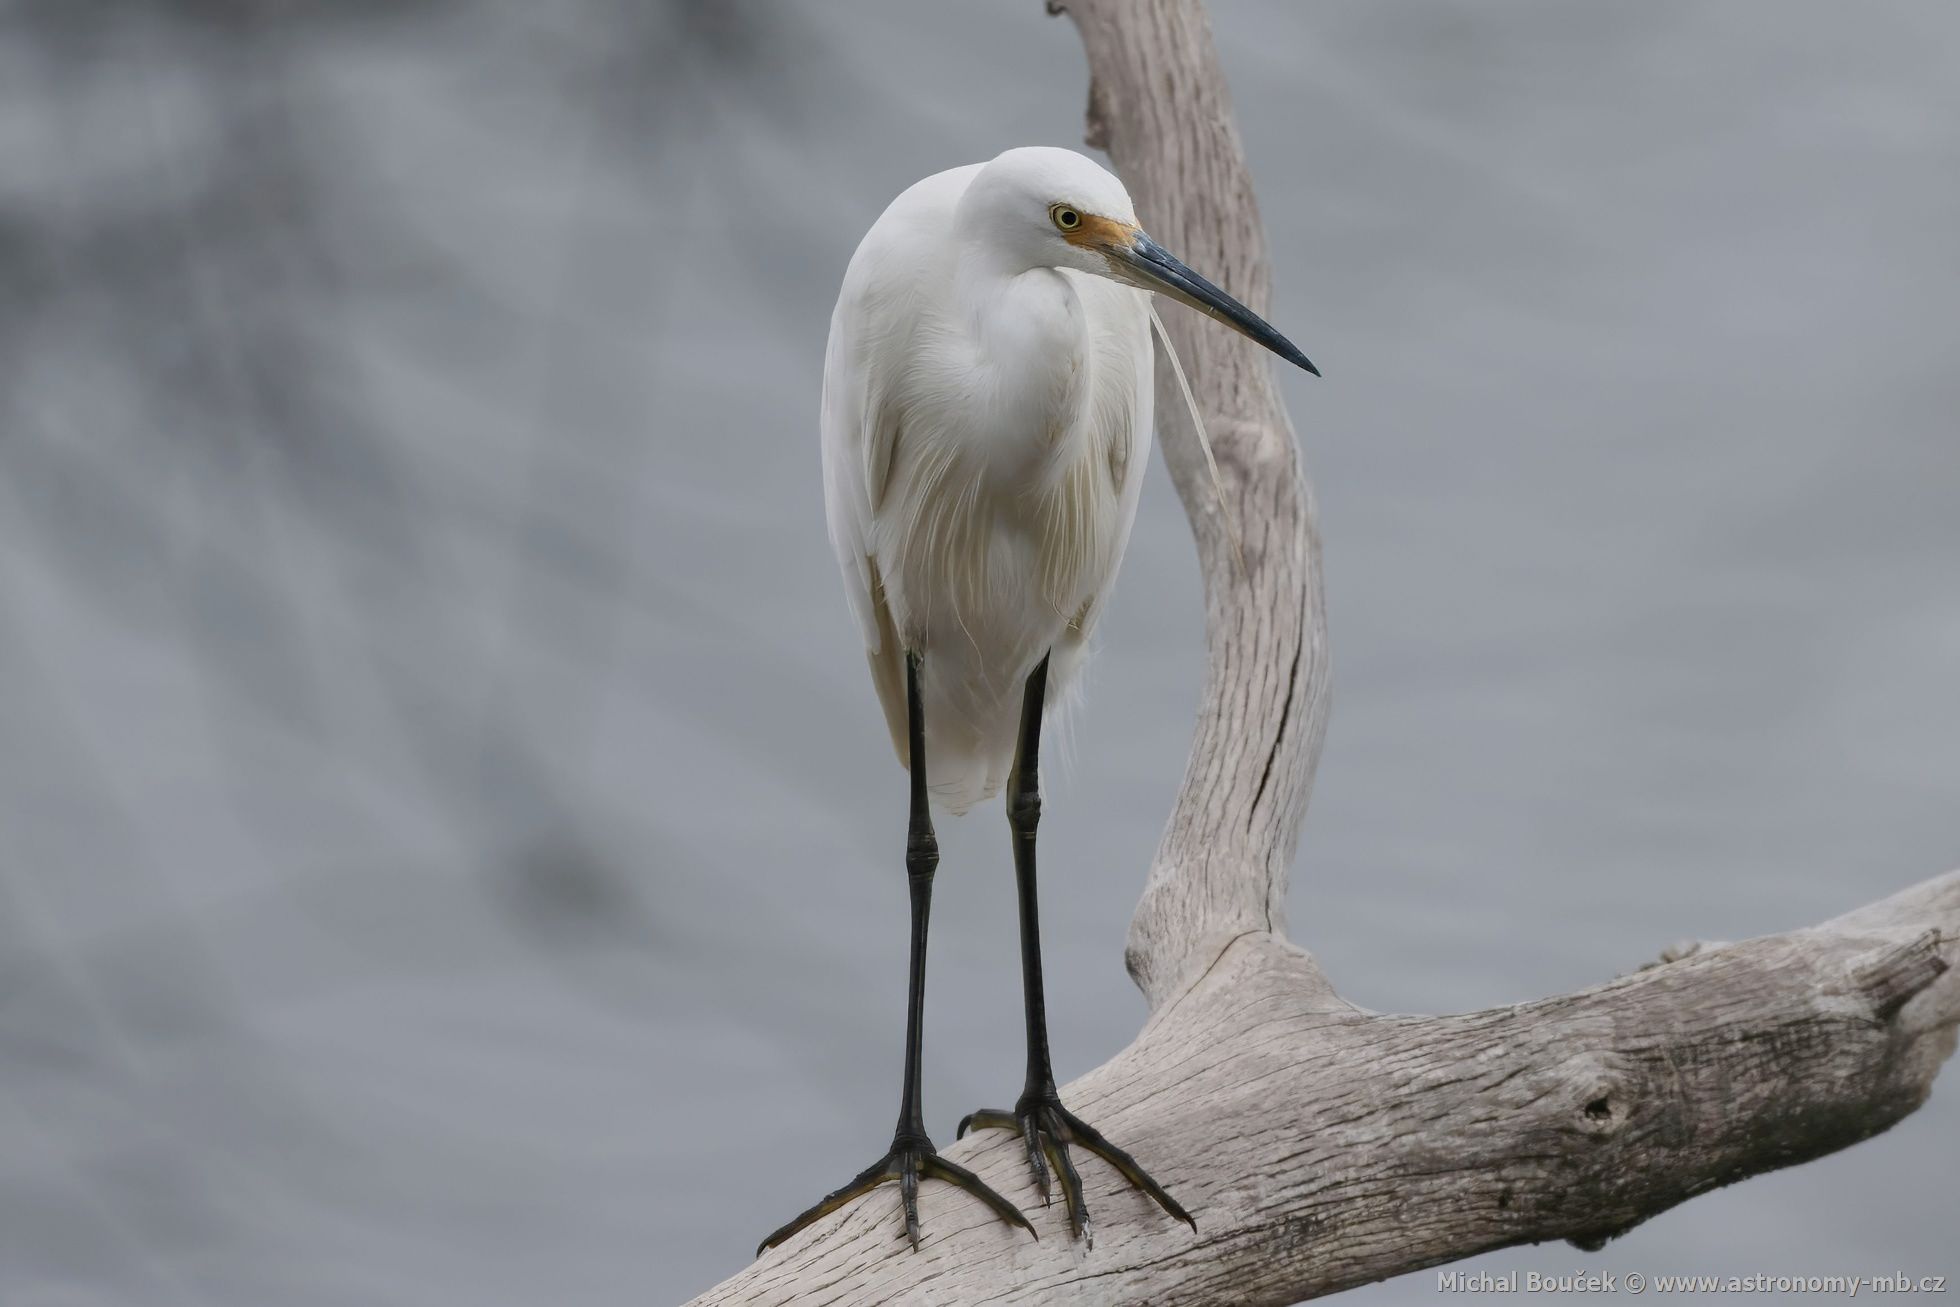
(1065, 218)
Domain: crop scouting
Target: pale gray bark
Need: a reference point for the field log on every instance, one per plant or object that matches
(1318, 1145)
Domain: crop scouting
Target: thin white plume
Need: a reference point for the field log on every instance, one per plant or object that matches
(1204, 438)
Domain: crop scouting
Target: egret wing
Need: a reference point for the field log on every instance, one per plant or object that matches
(858, 439)
(871, 334)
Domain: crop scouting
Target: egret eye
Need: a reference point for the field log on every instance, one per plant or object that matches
(1064, 217)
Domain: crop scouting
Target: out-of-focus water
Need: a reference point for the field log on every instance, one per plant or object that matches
(449, 852)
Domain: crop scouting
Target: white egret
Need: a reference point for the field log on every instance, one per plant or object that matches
(986, 425)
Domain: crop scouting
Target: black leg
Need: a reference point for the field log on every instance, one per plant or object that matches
(1039, 1117)
(1023, 816)
(911, 1156)
(921, 862)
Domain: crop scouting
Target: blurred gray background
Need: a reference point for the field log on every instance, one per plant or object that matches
(449, 850)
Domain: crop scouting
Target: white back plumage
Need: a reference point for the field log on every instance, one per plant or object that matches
(986, 425)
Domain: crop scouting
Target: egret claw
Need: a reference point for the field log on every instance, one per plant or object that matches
(1048, 1129)
(909, 1161)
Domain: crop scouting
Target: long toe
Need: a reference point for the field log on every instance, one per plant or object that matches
(938, 1168)
(861, 1184)
(986, 1118)
(1126, 1166)
(1056, 1146)
(908, 1194)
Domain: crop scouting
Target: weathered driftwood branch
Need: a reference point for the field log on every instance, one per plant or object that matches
(1321, 1146)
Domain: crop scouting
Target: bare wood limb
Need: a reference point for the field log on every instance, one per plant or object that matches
(1320, 1146)
(1159, 101)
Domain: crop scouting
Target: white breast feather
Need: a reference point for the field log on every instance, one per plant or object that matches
(949, 539)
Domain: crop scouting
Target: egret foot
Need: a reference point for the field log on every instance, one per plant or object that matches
(911, 1159)
(1048, 1129)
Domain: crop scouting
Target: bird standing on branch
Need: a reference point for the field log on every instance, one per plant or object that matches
(986, 425)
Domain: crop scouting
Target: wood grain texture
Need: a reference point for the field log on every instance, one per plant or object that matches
(1321, 1146)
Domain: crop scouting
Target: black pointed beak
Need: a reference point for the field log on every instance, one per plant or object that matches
(1153, 267)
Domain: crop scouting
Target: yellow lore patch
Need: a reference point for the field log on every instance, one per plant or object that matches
(1095, 232)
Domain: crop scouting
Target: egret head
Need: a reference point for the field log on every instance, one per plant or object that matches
(1042, 207)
